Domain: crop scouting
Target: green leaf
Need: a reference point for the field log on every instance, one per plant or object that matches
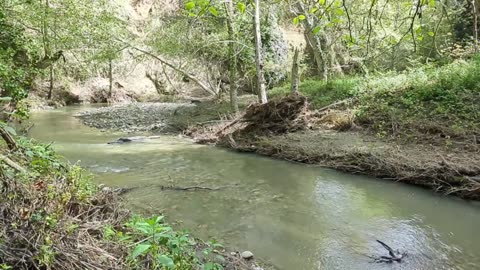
(209, 266)
(316, 30)
(166, 261)
(295, 21)
(140, 249)
(213, 11)
(431, 3)
(431, 33)
(321, 2)
(313, 10)
(301, 17)
(241, 7)
(190, 5)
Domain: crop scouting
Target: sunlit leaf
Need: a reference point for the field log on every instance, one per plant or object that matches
(241, 7)
(431, 33)
(190, 5)
(316, 30)
(213, 11)
(301, 17)
(295, 20)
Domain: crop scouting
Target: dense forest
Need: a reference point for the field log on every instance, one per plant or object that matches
(385, 88)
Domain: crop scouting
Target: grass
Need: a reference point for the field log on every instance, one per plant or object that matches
(443, 101)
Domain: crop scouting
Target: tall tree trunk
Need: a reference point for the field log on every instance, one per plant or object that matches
(295, 76)
(110, 78)
(475, 24)
(261, 88)
(50, 87)
(232, 56)
(315, 43)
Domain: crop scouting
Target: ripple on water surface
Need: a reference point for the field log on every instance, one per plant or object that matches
(296, 216)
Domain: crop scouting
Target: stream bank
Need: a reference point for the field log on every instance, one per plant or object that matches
(53, 216)
(312, 139)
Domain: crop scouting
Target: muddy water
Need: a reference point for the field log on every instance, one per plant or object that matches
(294, 216)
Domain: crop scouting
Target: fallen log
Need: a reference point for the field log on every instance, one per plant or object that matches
(394, 256)
(162, 187)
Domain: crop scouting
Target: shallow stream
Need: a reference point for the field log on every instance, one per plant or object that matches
(294, 216)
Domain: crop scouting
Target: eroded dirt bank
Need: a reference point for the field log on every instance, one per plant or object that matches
(286, 129)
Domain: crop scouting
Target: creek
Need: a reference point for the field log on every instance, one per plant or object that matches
(294, 216)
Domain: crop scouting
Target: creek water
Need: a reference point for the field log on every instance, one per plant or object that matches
(292, 215)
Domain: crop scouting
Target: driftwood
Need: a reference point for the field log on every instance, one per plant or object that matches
(132, 139)
(394, 256)
(163, 187)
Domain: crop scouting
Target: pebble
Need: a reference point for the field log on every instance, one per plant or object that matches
(247, 255)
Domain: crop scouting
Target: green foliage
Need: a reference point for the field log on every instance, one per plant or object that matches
(15, 73)
(443, 100)
(32, 32)
(431, 100)
(156, 245)
(322, 93)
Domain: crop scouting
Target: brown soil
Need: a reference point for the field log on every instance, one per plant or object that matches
(286, 129)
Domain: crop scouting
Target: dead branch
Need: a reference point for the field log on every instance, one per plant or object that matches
(177, 69)
(12, 164)
(12, 145)
(333, 105)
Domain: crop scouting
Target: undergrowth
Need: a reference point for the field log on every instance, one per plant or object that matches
(427, 101)
(52, 216)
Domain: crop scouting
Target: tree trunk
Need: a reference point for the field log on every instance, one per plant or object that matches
(50, 87)
(261, 89)
(295, 76)
(110, 78)
(232, 56)
(315, 43)
(475, 25)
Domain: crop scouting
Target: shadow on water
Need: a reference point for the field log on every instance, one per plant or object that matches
(296, 216)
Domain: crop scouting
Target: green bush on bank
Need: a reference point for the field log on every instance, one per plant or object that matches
(55, 216)
(435, 100)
